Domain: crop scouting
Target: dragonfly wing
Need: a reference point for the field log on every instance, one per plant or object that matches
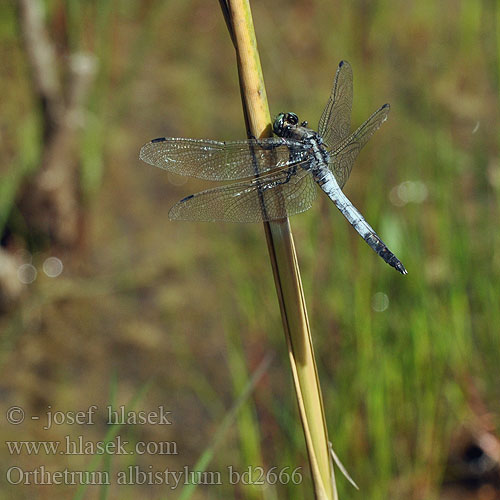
(273, 196)
(343, 155)
(335, 122)
(221, 161)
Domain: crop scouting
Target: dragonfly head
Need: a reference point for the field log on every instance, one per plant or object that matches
(285, 123)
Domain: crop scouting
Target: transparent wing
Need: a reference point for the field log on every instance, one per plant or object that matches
(335, 122)
(270, 197)
(222, 161)
(343, 155)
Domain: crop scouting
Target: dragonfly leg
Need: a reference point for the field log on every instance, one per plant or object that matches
(289, 173)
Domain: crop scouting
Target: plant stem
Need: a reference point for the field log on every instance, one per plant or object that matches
(284, 260)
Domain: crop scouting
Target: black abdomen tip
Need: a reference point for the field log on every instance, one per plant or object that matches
(399, 266)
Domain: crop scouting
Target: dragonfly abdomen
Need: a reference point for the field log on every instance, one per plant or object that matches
(329, 185)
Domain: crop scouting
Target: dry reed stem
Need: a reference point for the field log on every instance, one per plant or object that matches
(284, 260)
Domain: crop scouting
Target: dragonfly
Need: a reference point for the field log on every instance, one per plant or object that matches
(276, 177)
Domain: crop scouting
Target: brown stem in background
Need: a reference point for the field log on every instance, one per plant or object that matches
(50, 201)
(42, 59)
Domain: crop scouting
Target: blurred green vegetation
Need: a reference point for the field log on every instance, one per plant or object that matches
(405, 363)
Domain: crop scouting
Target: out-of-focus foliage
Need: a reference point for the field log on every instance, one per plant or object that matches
(405, 363)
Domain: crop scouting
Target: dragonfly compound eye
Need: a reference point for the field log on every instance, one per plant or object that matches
(284, 123)
(279, 124)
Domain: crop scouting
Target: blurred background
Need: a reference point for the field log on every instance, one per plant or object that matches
(105, 302)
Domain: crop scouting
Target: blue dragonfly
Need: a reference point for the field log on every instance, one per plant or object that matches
(278, 176)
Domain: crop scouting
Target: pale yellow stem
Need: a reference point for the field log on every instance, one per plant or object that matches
(284, 263)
